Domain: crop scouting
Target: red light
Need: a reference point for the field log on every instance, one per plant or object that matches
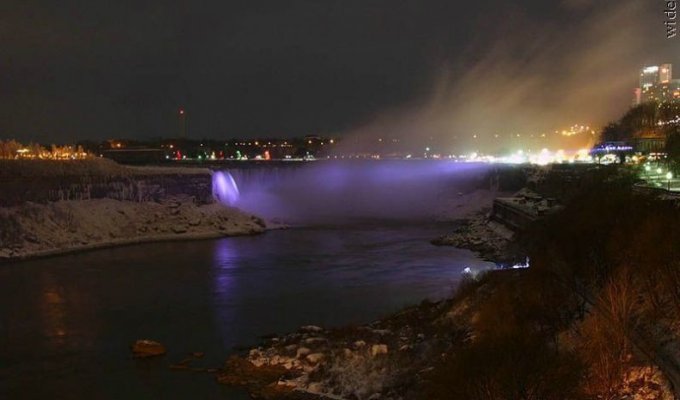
(181, 111)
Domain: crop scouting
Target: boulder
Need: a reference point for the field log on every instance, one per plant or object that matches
(179, 229)
(315, 358)
(378, 349)
(302, 351)
(147, 348)
(195, 222)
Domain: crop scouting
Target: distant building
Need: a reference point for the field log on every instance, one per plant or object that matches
(663, 92)
(649, 76)
(665, 73)
(638, 97)
(649, 141)
(657, 84)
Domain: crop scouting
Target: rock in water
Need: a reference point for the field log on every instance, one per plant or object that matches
(147, 348)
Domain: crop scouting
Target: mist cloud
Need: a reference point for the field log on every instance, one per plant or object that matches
(530, 76)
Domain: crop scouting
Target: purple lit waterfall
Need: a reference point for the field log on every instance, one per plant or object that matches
(224, 188)
(333, 192)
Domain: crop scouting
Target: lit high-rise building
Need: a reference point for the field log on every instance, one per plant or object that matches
(665, 73)
(657, 84)
(649, 76)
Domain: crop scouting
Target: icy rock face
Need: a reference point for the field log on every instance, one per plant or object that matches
(43, 182)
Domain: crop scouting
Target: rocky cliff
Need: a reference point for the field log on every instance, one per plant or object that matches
(47, 181)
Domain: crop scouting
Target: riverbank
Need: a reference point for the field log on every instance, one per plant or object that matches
(475, 230)
(50, 207)
(387, 359)
(38, 230)
(479, 233)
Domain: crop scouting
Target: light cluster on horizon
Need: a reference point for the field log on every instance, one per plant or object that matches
(13, 150)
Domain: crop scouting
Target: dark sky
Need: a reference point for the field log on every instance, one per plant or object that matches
(99, 69)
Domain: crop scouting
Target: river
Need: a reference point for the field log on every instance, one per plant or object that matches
(67, 322)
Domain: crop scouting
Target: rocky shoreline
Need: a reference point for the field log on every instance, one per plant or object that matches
(481, 234)
(35, 230)
(387, 359)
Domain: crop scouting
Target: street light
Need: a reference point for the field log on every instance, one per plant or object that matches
(669, 176)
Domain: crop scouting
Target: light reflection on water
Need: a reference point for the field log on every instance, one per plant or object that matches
(66, 322)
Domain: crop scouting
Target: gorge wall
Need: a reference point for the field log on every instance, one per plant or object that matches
(48, 181)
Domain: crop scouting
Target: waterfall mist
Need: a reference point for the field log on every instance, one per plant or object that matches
(338, 192)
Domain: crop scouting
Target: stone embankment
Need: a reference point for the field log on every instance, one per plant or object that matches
(490, 231)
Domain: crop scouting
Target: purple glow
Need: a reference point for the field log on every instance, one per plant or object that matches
(336, 191)
(224, 188)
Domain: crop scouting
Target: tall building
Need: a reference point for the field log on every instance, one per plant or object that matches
(665, 73)
(657, 84)
(649, 76)
(663, 92)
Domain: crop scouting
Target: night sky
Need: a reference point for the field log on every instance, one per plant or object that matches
(93, 69)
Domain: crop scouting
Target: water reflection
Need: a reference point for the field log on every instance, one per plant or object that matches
(67, 311)
(224, 268)
(54, 313)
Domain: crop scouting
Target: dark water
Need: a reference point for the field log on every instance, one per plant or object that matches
(66, 322)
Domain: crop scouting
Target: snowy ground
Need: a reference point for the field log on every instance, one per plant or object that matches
(32, 230)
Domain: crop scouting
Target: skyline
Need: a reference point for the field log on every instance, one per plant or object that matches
(93, 71)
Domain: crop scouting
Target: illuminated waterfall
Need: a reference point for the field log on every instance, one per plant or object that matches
(224, 188)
